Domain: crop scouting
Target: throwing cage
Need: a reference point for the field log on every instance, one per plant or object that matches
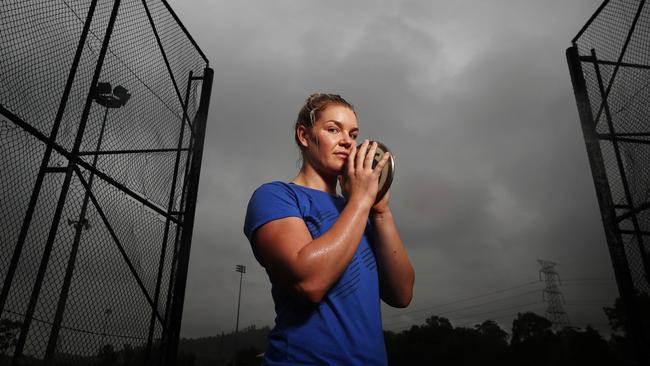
(103, 108)
(611, 79)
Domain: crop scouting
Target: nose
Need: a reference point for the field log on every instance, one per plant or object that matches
(346, 141)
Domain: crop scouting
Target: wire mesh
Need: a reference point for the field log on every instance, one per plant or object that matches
(611, 53)
(93, 181)
(614, 50)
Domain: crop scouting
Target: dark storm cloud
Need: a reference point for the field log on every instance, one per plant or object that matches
(476, 103)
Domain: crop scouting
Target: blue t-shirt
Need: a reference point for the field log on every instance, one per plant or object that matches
(345, 327)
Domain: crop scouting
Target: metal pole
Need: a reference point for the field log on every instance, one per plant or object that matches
(20, 344)
(607, 212)
(189, 36)
(74, 157)
(622, 172)
(117, 242)
(188, 158)
(620, 59)
(241, 276)
(45, 161)
(177, 244)
(188, 219)
(164, 56)
(593, 16)
(72, 259)
(170, 208)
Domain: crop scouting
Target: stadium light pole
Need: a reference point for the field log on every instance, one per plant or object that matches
(110, 98)
(241, 269)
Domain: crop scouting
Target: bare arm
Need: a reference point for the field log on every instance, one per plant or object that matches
(396, 274)
(310, 266)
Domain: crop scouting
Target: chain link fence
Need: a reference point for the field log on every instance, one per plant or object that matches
(610, 70)
(103, 105)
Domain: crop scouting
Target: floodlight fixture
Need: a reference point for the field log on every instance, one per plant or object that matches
(115, 99)
(102, 88)
(121, 94)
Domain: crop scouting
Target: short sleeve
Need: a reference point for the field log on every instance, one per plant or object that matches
(271, 201)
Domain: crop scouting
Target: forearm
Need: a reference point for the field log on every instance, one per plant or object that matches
(396, 274)
(321, 262)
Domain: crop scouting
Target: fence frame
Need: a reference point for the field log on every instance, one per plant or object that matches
(183, 219)
(639, 334)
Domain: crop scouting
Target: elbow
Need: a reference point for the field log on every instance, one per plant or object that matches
(405, 300)
(402, 301)
(399, 299)
(401, 296)
(310, 292)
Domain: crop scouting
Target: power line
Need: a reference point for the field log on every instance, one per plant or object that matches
(483, 303)
(588, 279)
(472, 314)
(498, 310)
(490, 302)
(428, 308)
(584, 281)
(597, 303)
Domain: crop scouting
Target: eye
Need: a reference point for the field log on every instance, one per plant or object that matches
(333, 130)
(354, 135)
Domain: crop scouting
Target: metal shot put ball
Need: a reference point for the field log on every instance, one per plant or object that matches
(387, 174)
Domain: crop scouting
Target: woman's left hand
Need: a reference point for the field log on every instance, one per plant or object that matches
(378, 208)
(382, 206)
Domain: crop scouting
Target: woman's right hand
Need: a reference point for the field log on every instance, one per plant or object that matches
(360, 182)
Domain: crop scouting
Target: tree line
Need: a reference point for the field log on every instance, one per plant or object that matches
(531, 341)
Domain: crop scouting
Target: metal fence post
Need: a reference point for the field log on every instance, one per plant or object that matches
(20, 344)
(45, 161)
(63, 296)
(603, 193)
(170, 207)
(188, 220)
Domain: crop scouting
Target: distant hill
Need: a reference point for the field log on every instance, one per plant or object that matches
(220, 349)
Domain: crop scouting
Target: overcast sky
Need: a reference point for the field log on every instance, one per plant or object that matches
(475, 101)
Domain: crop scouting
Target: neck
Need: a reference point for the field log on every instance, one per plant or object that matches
(310, 177)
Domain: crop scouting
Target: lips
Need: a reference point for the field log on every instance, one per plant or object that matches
(343, 155)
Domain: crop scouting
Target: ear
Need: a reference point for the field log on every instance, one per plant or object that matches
(303, 136)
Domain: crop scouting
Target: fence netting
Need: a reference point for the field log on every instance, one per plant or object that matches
(611, 53)
(99, 101)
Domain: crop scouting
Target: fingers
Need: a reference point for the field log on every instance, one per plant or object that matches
(382, 163)
(370, 156)
(350, 162)
(361, 154)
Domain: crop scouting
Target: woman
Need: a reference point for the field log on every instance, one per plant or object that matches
(329, 258)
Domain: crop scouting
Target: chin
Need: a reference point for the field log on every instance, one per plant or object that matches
(334, 169)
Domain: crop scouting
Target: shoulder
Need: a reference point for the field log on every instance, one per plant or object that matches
(270, 201)
(272, 191)
(273, 187)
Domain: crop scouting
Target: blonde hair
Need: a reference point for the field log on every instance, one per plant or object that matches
(313, 107)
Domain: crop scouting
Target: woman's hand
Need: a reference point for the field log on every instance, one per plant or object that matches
(359, 180)
(381, 207)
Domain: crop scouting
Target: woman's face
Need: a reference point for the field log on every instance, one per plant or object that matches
(331, 139)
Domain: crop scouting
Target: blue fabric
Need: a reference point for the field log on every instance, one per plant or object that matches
(345, 327)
